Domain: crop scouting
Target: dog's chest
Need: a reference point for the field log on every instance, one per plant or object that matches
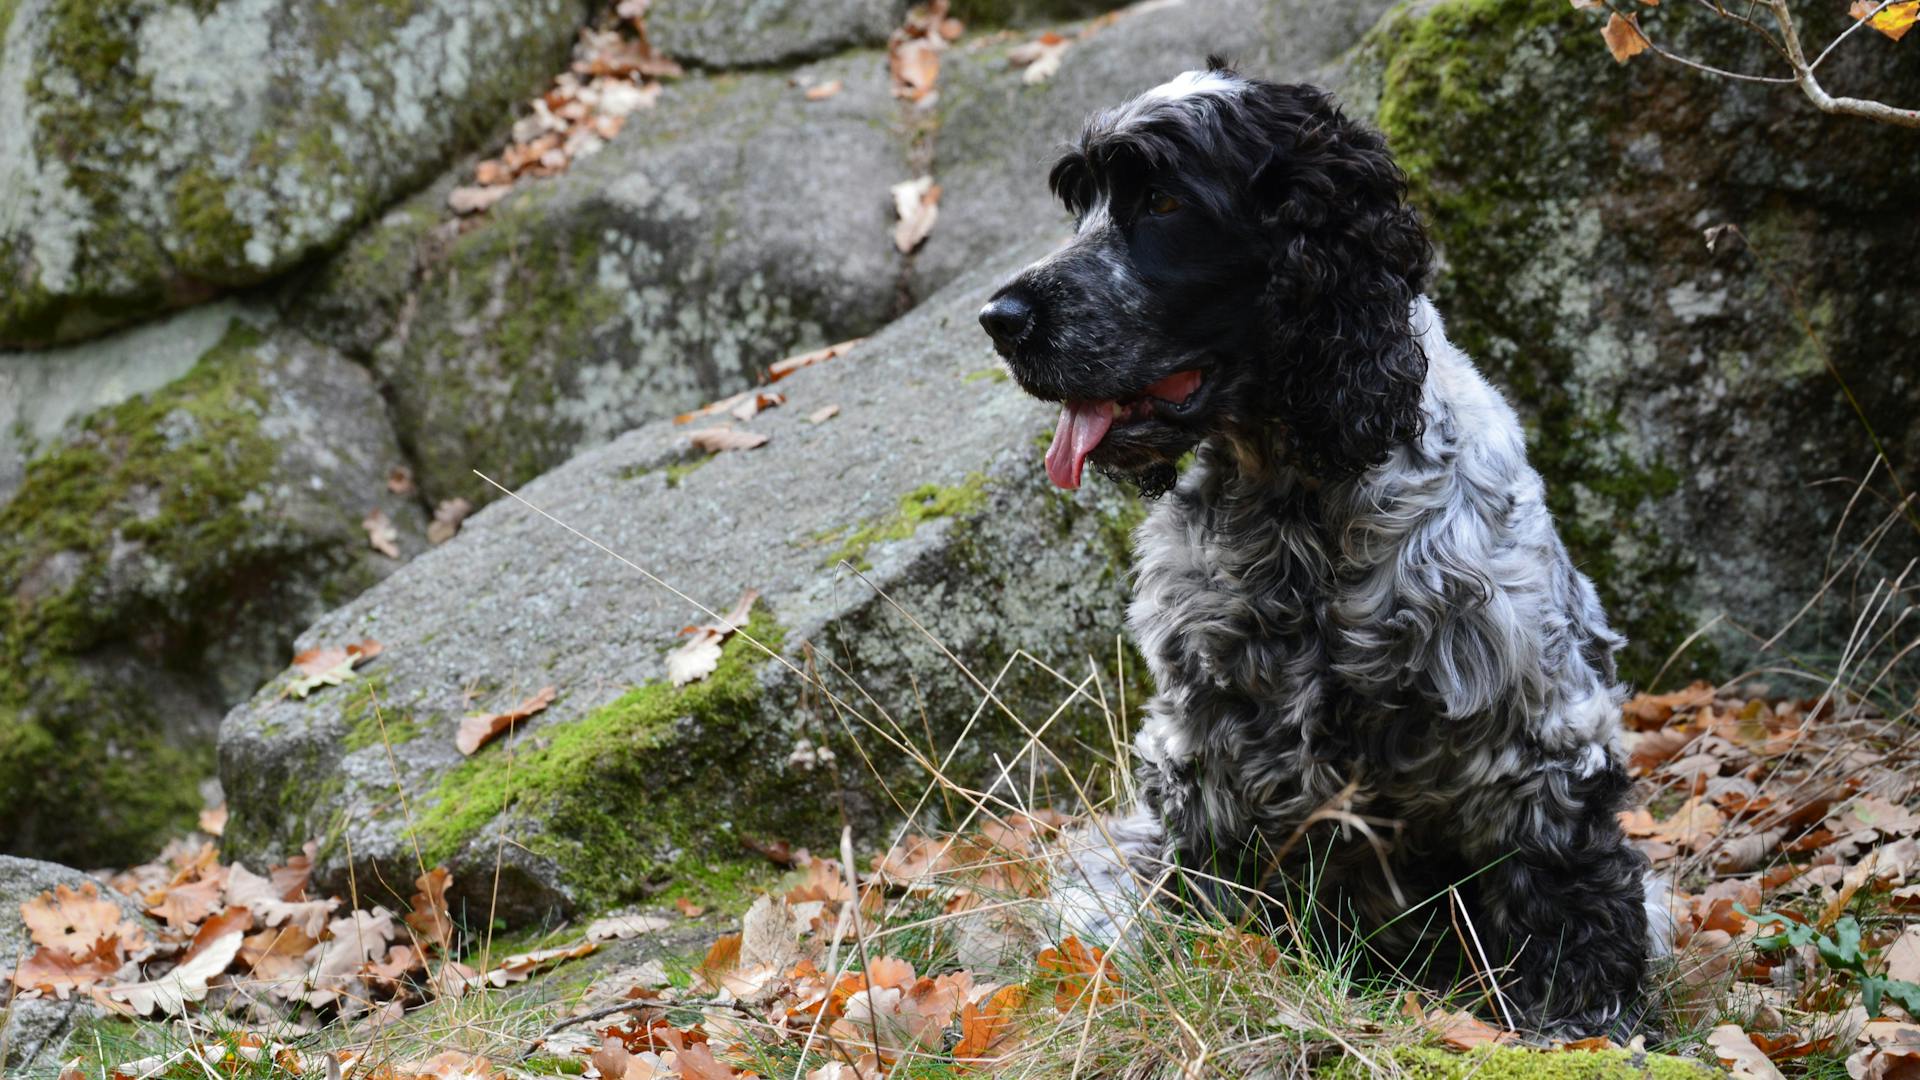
(1233, 599)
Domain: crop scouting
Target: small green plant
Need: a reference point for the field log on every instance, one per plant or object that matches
(1841, 951)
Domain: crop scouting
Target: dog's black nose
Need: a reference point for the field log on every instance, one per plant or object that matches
(1007, 318)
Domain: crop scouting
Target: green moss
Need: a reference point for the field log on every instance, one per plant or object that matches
(1494, 160)
(368, 725)
(628, 793)
(985, 374)
(1517, 1063)
(925, 503)
(206, 232)
(170, 472)
(156, 487)
(678, 472)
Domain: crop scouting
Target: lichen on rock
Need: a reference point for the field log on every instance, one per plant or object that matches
(159, 151)
(1675, 402)
(152, 558)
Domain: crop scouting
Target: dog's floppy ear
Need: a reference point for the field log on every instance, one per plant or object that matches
(1348, 259)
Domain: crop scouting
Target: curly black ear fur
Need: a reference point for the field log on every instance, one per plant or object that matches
(1348, 260)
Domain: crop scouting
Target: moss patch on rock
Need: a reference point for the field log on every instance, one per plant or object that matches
(635, 792)
(928, 502)
(1518, 1063)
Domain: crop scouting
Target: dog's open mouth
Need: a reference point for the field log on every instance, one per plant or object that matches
(1083, 423)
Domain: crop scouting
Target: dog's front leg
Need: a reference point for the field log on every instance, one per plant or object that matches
(1562, 902)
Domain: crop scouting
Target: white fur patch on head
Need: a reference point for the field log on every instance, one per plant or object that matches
(1192, 83)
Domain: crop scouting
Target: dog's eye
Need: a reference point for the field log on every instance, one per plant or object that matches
(1160, 204)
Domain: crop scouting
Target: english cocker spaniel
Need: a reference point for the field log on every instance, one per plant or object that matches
(1351, 596)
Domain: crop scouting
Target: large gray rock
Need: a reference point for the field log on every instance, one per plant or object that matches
(748, 33)
(928, 479)
(735, 223)
(36, 1030)
(159, 545)
(996, 136)
(156, 151)
(1699, 453)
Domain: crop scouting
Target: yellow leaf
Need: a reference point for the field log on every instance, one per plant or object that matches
(1894, 20)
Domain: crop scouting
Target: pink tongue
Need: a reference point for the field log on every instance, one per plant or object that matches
(1082, 425)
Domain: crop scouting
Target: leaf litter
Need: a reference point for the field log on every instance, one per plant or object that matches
(1787, 827)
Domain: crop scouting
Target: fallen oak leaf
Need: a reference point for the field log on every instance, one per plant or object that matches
(263, 897)
(521, 966)
(381, 535)
(477, 731)
(58, 972)
(823, 414)
(72, 920)
(1744, 1060)
(714, 440)
(186, 982)
(916, 203)
(328, 667)
(780, 369)
(447, 518)
(700, 655)
(429, 917)
(823, 91)
(473, 199)
(756, 403)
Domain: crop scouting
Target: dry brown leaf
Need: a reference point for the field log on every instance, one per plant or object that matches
(713, 440)
(475, 198)
(915, 65)
(783, 368)
(185, 904)
(400, 479)
(329, 666)
(823, 414)
(1744, 1060)
(521, 966)
(1623, 37)
(1889, 1050)
(1650, 712)
(447, 518)
(71, 921)
(917, 204)
(213, 820)
(429, 917)
(823, 91)
(189, 980)
(1084, 978)
(452, 1065)
(264, 897)
(57, 972)
(687, 908)
(753, 404)
(477, 731)
(699, 656)
(381, 535)
(987, 1028)
(622, 927)
(1040, 57)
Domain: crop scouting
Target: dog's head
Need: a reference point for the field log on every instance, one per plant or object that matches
(1243, 266)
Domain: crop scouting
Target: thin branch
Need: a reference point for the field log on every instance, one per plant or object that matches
(1825, 102)
(1848, 32)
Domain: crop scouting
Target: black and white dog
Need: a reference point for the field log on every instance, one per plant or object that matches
(1353, 597)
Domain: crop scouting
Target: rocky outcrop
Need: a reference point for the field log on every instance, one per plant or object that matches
(748, 33)
(35, 1030)
(927, 482)
(1686, 405)
(735, 223)
(157, 152)
(156, 550)
(996, 135)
